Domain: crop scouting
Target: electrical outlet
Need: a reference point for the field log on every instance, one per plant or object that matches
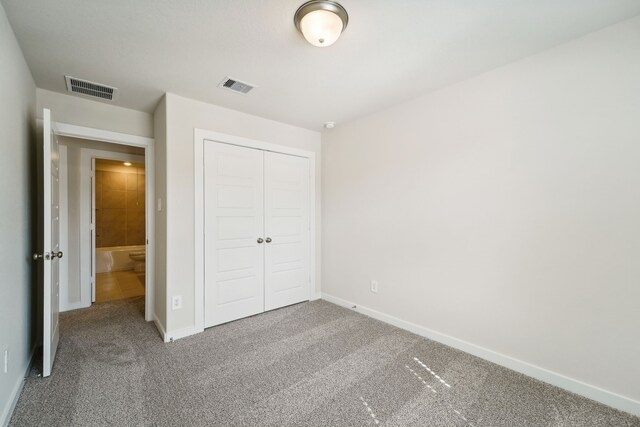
(6, 361)
(176, 302)
(374, 286)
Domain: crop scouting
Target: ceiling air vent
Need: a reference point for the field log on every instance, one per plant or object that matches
(88, 88)
(235, 85)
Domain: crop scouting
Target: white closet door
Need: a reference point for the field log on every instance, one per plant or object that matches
(287, 229)
(233, 223)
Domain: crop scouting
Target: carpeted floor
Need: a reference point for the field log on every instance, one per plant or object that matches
(312, 364)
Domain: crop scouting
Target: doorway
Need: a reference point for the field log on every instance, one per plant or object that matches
(111, 231)
(118, 218)
(55, 217)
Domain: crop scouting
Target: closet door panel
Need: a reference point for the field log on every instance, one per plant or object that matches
(233, 221)
(287, 225)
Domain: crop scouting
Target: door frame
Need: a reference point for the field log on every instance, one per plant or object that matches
(201, 135)
(87, 216)
(82, 132)
(86, 234)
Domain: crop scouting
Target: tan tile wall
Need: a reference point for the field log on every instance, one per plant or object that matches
(119, 209)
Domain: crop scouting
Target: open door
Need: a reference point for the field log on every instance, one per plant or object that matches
(51, 252)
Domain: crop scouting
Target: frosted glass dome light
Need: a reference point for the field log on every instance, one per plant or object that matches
(321, 22)
(321, 28)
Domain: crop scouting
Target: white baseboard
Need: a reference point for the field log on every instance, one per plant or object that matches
(173, 335)
(9, 407)
(160, 328)
(589, 391)
(180, 333)
(73, 306)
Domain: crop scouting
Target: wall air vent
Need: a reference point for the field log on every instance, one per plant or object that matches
(235, 85)
(85, 87)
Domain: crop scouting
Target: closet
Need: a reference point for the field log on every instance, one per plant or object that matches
(256, 231)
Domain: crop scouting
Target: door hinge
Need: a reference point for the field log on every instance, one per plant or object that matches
(92, 227)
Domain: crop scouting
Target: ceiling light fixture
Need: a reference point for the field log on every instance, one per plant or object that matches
(127, 163)
(321, 21)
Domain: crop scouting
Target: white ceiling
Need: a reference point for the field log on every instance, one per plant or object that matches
(390, 52)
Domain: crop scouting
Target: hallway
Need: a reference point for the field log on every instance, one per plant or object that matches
(118, 285)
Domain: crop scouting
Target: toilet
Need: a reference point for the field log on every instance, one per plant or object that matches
(139, 258)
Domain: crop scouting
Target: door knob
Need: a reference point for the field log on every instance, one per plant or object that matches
(268, 240)
(260, 240)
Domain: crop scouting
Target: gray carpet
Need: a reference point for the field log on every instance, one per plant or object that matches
(312, 364)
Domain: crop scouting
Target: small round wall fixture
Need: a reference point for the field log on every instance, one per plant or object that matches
(321, 21)
(329, 125)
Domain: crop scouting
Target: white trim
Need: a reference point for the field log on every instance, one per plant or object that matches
(73, 131)
(180, 333)
(63, 175)
(200, 135)
(198, 171)
(10, 406)
(74, 306)
(92, 213)
(175, 335)
(251, 143)
(313, 294)
(150, 232)
(160, 328)
(575, 386)
(69, 130)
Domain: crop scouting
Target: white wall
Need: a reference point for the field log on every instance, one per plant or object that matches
(503, 211)
(17, 175)
(183, 115)
(79, 111)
